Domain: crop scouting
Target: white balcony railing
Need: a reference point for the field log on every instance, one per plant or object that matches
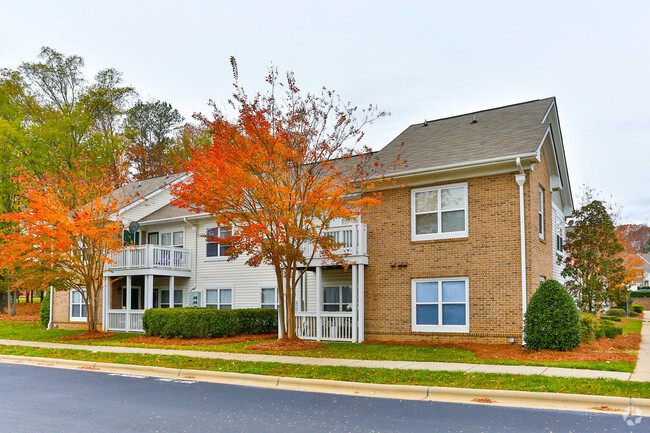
(335, 326)
(152, 256)
(353, 238)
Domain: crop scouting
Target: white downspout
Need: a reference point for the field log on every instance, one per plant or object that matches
(195, 229)
(521, 180)
(49, 323)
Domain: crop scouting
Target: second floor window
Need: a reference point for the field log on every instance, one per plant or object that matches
(439, 212)
(216, 249)
(541, 213)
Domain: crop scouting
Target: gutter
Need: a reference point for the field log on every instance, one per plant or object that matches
(49, 323)
(520, 178)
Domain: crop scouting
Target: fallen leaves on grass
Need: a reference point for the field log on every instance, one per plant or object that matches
(25, 312)
(150, 339)
(286, 344)
(89, 335)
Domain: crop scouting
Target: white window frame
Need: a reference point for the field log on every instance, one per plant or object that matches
(440, 327)
(206, 242)
(81, 304)
(439, 211)
(340, 304)
(269, 287)
(171, 233)
(219, 304)
(540, 215)
(166, 289)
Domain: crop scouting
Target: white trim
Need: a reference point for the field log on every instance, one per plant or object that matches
(150, 195)
(440, 234)
(541, 209)
(176, 218)
(82, 304)
(440, 327)
(268, 286)
(218, 258)
(219, 288)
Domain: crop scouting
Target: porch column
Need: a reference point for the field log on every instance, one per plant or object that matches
(171, 292)
(355, 305)
(362, 306)
(148, 292)
(105, 302)
(128, 303)
(319, 302)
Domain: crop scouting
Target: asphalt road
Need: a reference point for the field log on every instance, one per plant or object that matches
(41, 399)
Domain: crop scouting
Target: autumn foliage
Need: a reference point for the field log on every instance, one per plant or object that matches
(279, 173)
(63, 236)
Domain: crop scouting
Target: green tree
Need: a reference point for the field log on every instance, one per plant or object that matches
(149, 128)
(593, 267)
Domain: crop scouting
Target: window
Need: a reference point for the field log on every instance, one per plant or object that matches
(337, 298)
(220, 298)
(541, 213)
(164, 298)
(169, 239)
(269, 297)
(216, 249)
(77, 306)
(439, 212)
(440, 305)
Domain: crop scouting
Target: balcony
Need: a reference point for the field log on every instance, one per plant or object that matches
(151, 259)
(353, 238)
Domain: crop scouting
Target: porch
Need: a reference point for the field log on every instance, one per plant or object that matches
(126, 298)
(331, 303)
(136, 260)
(354, 248)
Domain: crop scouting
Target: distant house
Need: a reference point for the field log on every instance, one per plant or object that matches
(645, 280)
(455, 250)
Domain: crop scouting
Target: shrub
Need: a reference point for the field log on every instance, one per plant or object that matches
(45, 308)
(208, 322)
(636, 308)
(616, 312)
(638, 294)
(610, 330)
(588, 327)
(600, 331)
(611, 318)
(552, 319)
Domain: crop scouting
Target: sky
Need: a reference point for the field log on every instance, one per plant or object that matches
(417, 60)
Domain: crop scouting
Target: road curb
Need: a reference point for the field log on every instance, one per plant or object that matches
(526, 399)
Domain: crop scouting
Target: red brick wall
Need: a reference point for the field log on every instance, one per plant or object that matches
(489, 257)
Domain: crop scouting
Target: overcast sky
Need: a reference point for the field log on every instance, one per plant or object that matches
(417, 60)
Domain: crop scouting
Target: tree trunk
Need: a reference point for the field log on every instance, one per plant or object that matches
(282, 330)
(2, 303)
(11, 299)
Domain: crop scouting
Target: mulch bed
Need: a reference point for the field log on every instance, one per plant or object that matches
(603, 349)
(88, 335)
(286, 344)
(150, 339)
(24, 313)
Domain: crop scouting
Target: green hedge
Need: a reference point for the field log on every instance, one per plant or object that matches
(637, 294)
(588, 325)
(208, 322)
(45, 308)
(616, 312)
(552, 319)
(636, 308)
(608, 329)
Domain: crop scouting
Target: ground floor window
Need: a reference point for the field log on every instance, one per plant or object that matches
(440, 304)
(162, 298)
(219, 298)
(337, 298)
(269, 297)
(77, 306)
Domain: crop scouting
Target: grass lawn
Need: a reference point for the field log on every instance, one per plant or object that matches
(364, 375)
(631, 325)
(34, 332)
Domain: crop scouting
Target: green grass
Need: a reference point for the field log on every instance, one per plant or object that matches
(34, 332)
(631, 326)
(535, 383)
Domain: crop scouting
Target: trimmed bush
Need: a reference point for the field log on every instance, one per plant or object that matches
(636, 308)
(638, 294)
(208, 322)
(552, 319)
(45, 308)
(611, 318)
(616, 312)
(588, 326)
(610, 330)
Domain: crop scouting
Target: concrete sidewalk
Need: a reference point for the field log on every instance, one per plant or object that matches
(402, 365)
(642, 371)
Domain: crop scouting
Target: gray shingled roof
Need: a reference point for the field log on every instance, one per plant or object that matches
(499, 132)
(132, 191)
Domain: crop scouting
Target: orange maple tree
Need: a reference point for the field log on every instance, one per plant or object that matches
(64, 235)
(631, 260)
(278, 174)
